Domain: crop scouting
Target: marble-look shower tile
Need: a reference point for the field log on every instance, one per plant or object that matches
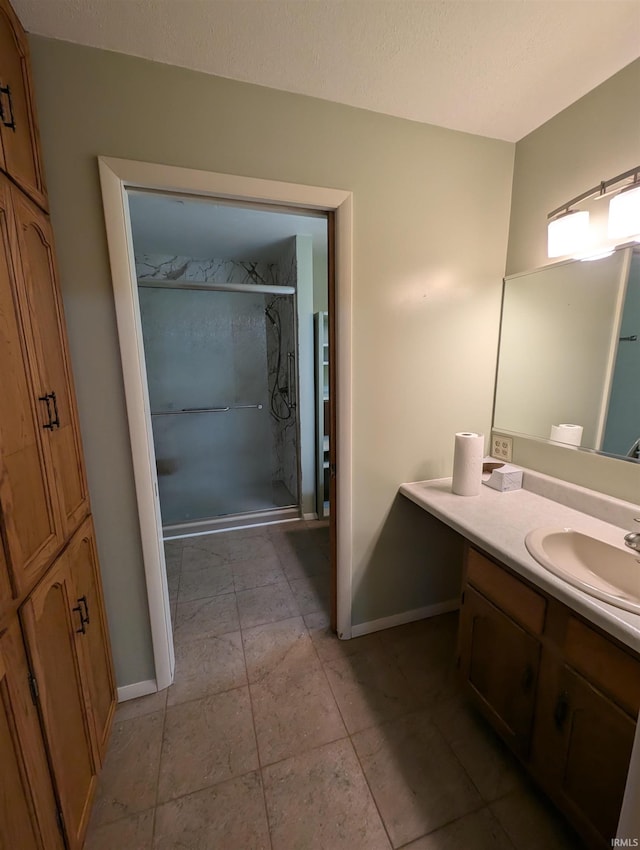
(198, 583)
(256, 573)
(417, 782)
(229, 816)
(206, 741)
(476, 831)
(319, 800)
(134, 832)
(203, 618)
(206, 667)
(266, 604)
(128, 781)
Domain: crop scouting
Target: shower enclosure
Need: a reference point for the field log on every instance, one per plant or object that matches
(223, 396)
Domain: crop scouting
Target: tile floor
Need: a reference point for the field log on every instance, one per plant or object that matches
(277, 736)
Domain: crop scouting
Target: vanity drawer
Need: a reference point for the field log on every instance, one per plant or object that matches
(607, 666)
(515, 598)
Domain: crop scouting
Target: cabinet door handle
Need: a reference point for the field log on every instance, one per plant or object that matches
(11, 122)
(527, 678)
(46, 399)
(51, 423)
(81, 630)
(56, 422)
(83, 601)
(561, 710)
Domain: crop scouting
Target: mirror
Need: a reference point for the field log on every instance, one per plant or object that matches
(570, 354)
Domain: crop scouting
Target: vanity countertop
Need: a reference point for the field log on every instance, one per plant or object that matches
(498, 522)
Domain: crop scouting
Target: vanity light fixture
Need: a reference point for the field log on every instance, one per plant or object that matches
(568, 228)
(624, 213)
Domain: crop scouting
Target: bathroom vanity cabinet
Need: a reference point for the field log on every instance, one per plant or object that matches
(562, 694)
(57, 690)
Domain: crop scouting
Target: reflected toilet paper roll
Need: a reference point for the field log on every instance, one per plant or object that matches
(467, 464)
(570, 435)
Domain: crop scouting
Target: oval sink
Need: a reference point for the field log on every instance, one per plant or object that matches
(595, 567)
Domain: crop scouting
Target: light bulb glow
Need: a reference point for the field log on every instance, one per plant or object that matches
(624, 214)
(568, 234)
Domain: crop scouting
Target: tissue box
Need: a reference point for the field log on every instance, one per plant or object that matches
(508, 477)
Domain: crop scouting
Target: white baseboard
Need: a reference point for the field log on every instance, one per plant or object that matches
(137, 689)
(405, 617)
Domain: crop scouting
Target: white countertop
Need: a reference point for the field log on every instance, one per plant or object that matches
(498, 523)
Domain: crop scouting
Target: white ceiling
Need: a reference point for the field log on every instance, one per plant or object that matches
(205, 229)
(497, 68)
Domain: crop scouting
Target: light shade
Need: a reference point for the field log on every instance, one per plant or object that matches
(568, 234)
(624, 214)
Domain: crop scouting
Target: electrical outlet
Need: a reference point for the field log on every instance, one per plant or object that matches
(502, 447)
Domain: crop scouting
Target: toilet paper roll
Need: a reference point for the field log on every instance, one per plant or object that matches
(467, 464)
(570, 435)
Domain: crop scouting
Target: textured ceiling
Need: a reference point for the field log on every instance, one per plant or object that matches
(499, 68)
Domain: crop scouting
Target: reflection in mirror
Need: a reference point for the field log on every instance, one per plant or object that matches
(570, 353)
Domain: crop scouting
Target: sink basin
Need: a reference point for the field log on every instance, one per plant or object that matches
(600, 569)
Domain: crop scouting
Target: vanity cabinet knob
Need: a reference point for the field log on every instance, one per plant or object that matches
(527, 678)
(561, 710)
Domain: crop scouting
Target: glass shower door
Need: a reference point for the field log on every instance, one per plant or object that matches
(208, 377)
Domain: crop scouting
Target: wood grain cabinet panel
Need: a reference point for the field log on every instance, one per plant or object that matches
(51, 366)
(30, 517)
(27, 803)
(52, 620)
(499, 664)
(6, 592)
(82, 558)
(19, 140)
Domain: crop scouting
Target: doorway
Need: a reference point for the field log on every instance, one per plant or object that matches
(117, 177)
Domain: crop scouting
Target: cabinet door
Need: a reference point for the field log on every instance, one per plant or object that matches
(48, 337)
(94, 640)
(30, 520)
(51, 619)
(27, 803)
(18, 128)
(6, 593)
(581, 749)
(499, 664)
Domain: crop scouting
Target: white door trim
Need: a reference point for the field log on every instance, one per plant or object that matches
(116, 176)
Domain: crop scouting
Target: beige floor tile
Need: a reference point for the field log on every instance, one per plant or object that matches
(206, 618)
(256, 573)
(494, 771)
(417, 782)
(320, 801)
(129, 776)
(142, 705)
(477, 831)
(532, 823)
(239, 546)
(327, 643)
(133, 833)
(294, 710)
(370, 689)
(196, 555)
(228, 816)
(311, 594)
(198, 583)
(427, 661)
(266, 604)
(274, 646)
(206, 741)
(305, 563)
(206, 667)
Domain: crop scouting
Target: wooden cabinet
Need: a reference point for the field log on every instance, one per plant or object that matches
(563, 695)
(500, 665)
(31, 522)
(19, 142)
(57, 692)
(54, 622)
(28, 809)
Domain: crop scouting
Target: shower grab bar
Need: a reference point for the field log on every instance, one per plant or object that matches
(209, 409)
